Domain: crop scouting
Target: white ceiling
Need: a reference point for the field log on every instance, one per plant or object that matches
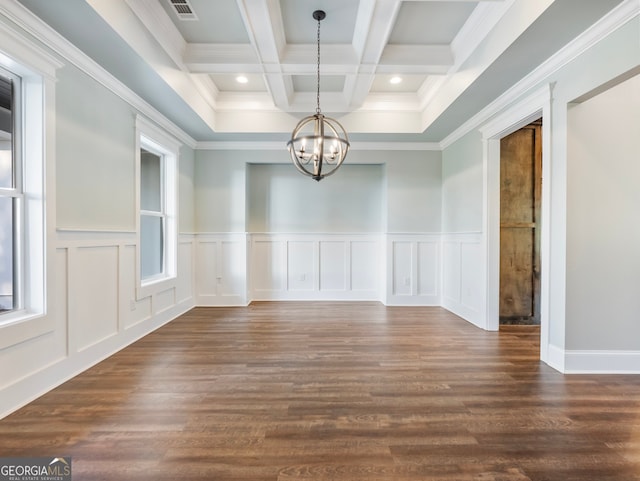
(453, 57)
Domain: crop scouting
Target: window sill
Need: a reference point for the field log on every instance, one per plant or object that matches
(154, 286)
(23, 325)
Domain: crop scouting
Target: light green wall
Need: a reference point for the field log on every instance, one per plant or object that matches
(220, 191)
(283, 200)
(94, 155)
(603, 235)
(186, 209)
(414, 180)
(462, 185)
(374, 191)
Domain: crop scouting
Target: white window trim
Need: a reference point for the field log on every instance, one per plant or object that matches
(154, 139)
(37, 69)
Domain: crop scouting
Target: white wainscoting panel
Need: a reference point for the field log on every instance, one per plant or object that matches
(333, 266)
(93, 305)
(164, 300)
(95, 314)
(366, 266)
(429, 268)
(314, 267)
(221, 269)
(462, 276)
(413, 270)
(185, 286)
(302, 262)
(233, 269)
(403, 270)
(268, 267)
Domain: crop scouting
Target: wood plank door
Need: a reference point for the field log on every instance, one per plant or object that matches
(520, 193)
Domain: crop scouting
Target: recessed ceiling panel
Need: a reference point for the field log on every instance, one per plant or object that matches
(308, 83)
(230, 83)
(218, 21)
(430, 23)
(406, 84)
(337, 27)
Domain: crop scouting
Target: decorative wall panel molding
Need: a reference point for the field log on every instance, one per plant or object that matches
(462, 279)
(96, 312)
(315, 267)
(221, 269)
(413, 269)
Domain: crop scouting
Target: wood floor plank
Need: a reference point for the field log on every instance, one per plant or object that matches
(334, 391)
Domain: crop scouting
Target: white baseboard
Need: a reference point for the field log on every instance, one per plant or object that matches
(602, 362)
(465, 312)
(593, 362)
(420, 301)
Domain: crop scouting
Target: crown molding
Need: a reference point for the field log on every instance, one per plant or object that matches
(23, 56)
(276, 145)
(43, 33)
(615, 19)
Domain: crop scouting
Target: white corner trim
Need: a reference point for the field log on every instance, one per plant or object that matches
(555, 358)
(608, 24)
(31, 24)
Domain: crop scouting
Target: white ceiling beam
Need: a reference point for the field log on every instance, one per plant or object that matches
(379, 29)
(330, 54)
(263, 22)
(374, 24)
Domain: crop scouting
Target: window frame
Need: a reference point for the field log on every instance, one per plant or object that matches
(16, 193)
(34, 147)
(155, 140)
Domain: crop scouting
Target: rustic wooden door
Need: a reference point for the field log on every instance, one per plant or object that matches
(520, 192)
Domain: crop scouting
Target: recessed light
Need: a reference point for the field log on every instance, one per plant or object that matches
(395, 80)
(241, 79)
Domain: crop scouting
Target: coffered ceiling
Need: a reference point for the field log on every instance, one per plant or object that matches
(390, 69)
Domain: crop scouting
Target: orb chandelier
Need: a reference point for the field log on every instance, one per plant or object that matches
(318, 144)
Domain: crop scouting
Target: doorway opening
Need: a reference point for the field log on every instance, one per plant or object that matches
(520, 215)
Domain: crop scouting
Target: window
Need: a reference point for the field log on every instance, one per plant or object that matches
(11, 194)
(157, 226)
(27, 187)
(153, 215)
(23, 211)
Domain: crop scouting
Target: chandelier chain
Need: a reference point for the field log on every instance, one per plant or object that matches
(318, 73)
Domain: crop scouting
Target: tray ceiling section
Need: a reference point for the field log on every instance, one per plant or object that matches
(364, 45)
(249, 65)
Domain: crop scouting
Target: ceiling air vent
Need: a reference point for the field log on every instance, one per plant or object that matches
(183, 9)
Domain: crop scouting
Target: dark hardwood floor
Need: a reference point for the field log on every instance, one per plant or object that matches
(334, 391)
